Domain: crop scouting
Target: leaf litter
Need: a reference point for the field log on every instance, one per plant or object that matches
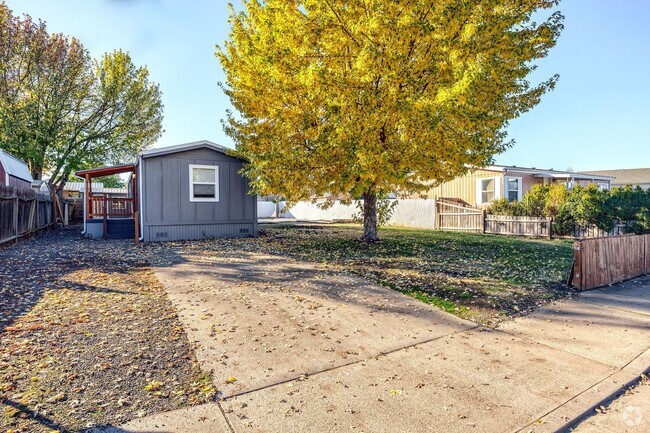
(88, 337)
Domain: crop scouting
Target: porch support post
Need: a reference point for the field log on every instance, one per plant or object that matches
(134, 187)
(105, 230)
(89, 191)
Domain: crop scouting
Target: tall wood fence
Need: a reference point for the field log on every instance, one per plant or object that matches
(602, 261)
(23, 212)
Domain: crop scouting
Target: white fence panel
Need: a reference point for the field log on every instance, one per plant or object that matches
(417, 213)
(308, 211)
(265, 209)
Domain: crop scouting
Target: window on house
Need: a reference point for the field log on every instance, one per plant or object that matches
(487, 190)
(568, 184)
(513, 189)
(204, 183)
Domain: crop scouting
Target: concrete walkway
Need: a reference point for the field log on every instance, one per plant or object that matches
(296, 348)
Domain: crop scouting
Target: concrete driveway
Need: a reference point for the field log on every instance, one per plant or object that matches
(295, 347)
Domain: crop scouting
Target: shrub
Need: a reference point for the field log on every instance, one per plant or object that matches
(534, 202)
(585, 206)
(558, 193)
(590, 207)
(504, 207)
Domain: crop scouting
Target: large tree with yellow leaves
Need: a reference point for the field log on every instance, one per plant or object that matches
(362, 97)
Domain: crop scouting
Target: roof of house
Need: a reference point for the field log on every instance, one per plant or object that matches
(561, 174)
(40, 185)
(80, 186)
(159, 151)
(633, 176)
(97, 188)
(15, 167)
(105, 171)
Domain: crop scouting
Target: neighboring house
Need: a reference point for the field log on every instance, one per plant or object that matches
(631, 176)
(188, 191)
(482, 186)
(14, 172)
(40, 186)
(76, 190)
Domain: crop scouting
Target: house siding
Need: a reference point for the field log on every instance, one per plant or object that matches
(464, 187)
(19, 183)
(168, 213)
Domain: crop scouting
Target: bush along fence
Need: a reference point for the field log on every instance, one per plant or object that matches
(602, 261)
(583, 212)
(23, 212)
(454, 216)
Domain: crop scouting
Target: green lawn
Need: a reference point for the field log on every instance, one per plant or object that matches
(484, 278)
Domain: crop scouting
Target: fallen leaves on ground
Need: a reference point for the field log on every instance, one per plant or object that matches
(484, 278)
(88, 337)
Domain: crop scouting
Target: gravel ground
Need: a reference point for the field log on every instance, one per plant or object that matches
(88, 337)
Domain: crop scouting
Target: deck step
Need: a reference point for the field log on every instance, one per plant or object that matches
(120, 236)
(120, 228)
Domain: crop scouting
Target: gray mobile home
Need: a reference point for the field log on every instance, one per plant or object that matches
(183, 192)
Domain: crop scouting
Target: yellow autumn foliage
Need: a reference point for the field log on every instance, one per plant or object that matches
(358, 98)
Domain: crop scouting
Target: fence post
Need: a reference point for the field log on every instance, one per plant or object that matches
(578, 278)
(549, 224)
(105, 216)
(483, 220)
(435, 213)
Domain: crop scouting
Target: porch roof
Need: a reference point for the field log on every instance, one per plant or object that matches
(105, 171)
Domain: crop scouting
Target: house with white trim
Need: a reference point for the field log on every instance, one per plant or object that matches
(482, 186)
(188, 191)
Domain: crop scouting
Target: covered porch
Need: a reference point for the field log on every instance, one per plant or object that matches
(108, 216)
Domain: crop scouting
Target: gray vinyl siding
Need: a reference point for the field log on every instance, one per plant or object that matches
(168, 213)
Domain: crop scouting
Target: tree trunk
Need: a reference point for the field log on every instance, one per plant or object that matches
(370, 217)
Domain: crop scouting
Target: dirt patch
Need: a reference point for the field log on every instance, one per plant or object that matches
(88, 337)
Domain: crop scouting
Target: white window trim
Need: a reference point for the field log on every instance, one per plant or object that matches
(479, 189)
(215, 183)
(519, 187)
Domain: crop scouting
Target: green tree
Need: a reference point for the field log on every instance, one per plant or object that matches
(360, 98)
(114, 181)
(60, 110)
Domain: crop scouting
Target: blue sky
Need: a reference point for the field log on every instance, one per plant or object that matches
(598, 117)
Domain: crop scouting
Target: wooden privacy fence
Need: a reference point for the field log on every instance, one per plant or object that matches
(602, 261)
(23, 212)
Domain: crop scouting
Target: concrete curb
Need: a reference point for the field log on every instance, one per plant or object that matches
(568, 415)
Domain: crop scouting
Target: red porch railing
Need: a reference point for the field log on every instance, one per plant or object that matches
(104, 207)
